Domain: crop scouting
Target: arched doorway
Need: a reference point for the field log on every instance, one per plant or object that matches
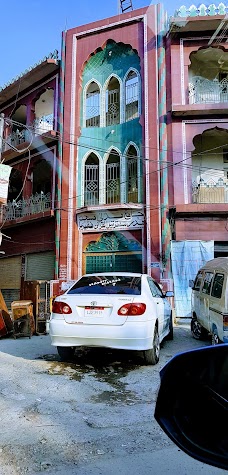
(113, 252)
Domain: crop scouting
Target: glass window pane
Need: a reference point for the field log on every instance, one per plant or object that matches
(106, 284)
(217, 286)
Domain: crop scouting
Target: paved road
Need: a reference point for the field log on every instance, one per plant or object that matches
(92, 416)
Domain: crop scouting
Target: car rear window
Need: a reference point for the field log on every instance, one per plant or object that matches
(113, 284)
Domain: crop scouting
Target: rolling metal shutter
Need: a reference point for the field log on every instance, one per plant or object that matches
(10, 279)
(40, 266)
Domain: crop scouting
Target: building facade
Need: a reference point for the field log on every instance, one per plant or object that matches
(111, 210)
(30, 148)
(197, 105)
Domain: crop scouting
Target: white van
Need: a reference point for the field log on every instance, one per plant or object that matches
(210, 301)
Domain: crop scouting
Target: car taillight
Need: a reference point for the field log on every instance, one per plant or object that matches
(132, 309)
(225, 322)
(61, 307)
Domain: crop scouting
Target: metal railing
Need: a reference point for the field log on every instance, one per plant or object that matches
(35, 204)
(43, 124)
(203, 90)
(210, 192)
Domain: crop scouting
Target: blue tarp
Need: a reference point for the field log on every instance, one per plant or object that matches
(187, 257)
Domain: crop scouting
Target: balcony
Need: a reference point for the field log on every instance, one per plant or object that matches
(204, 91)
(26, 207)
(40, 126)
(210, 192)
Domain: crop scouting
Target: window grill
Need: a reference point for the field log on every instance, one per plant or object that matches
(91, 195)
(132, 103)
(113, 107)
(113, 183)
(132, 180)
(93, 109)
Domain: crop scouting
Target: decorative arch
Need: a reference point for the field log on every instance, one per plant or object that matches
(113, 251)
(131, 94)
(92, 104)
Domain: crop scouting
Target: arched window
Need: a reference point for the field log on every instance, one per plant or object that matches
(91, 190)
(93, 105)
(131, 96)
(15, 185)
(113, 178)
(44, 112)
(42, 177)
(132, 175)
(113, 102)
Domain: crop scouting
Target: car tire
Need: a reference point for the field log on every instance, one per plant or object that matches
(215, 338)
(151, 356)
(197, 330)
(170, 334)
(66, 353)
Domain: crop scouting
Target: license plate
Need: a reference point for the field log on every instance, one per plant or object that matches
(91, 311)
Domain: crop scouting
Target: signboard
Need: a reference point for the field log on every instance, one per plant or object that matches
(155, 265)
(109, 220)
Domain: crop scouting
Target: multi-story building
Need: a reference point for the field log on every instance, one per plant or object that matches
(111, 216)
(197, 106)
(30, 105)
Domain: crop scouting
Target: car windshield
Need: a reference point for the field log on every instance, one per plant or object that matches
(106, 284)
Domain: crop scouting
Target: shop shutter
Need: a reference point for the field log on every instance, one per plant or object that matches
(10, 273)
(10, 295)
(40, 266)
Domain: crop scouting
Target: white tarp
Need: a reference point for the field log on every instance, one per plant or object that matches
(5, 171)
(187, 257)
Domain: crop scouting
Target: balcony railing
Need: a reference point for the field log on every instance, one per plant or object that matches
(210, 192)
(43, 124)
(35, 204)
(202, 91)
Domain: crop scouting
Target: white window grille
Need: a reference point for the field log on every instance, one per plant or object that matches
(113, 179)
(131, 96)
(91, 190)
(93, 105)
(113, 102)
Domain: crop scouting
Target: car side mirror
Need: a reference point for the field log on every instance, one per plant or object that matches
(191, 284)
(192, 403)
(169, 293)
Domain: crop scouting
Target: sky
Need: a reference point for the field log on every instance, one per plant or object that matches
(30, 29)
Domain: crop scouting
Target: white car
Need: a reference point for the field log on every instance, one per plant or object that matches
(114, 310)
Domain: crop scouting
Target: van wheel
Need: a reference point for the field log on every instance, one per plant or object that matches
(66, 353)
(151, 356)
(197, 330)
(214, 338)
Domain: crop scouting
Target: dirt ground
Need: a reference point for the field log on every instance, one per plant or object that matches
(61, 418)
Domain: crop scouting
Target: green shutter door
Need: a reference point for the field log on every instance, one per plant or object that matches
(40, 266)
(100, 263)
(128, 263)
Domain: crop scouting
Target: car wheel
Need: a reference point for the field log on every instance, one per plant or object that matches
(197, 330)
(151, 356)
(170, 334)
(215, 338)
(66, 353)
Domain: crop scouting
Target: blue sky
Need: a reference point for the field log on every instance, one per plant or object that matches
(30, 29)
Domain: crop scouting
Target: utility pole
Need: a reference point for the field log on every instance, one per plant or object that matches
(1, 133)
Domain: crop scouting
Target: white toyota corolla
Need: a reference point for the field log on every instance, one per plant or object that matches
(114, 310)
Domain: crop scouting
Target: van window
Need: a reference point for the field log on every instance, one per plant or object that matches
(217, 286)
(198, 281)
(207, 282)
